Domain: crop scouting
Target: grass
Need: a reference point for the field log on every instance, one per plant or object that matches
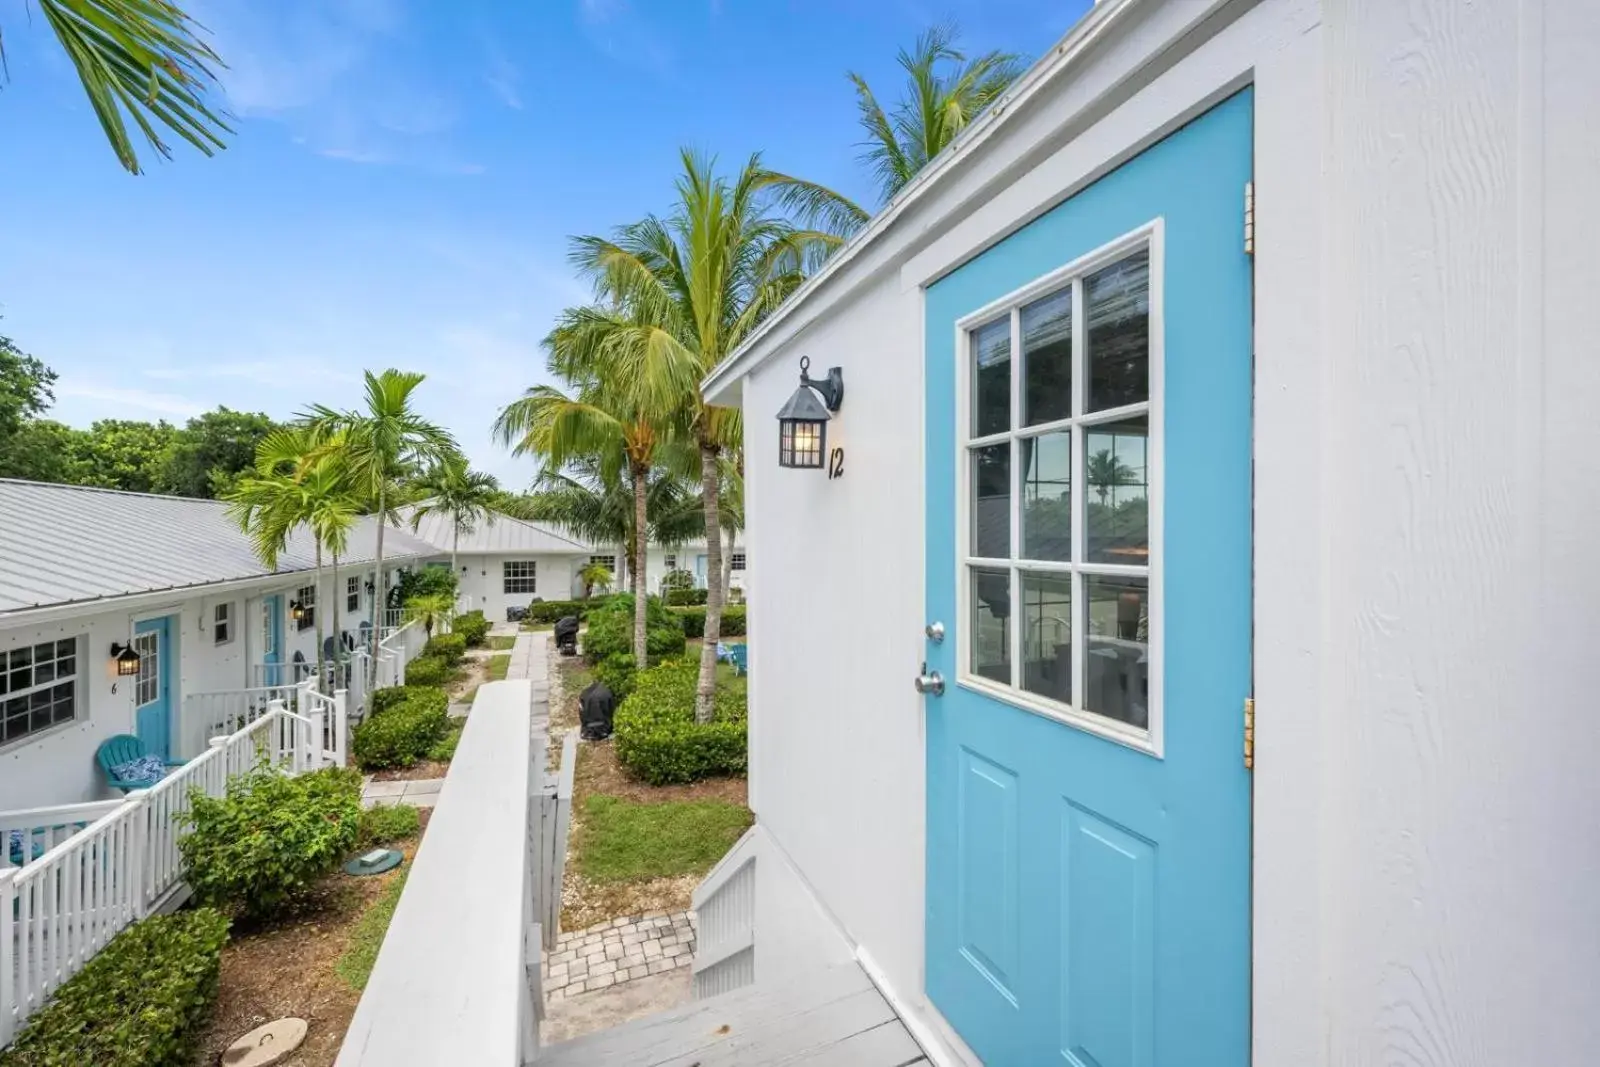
(502, 644)
(444, 749)
(355, 966)
(624, 841)
(498, 666)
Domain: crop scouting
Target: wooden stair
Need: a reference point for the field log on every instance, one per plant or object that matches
(833, 1016)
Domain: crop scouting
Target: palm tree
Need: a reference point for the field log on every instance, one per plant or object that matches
(690, 288)
(466, 497)
(145, 58)
(935, 108)
(378, 449)
(1105, 471)
(293, 485)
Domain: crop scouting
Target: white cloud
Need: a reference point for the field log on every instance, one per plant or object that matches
(115, 400)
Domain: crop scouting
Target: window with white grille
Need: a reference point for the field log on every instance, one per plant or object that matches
(222, 623)
(307, 596)
(38, 688)
(520, 576)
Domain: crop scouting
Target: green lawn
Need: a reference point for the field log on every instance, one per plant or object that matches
(498, 665)
(502, 644)
(355, 966)
(622, 841)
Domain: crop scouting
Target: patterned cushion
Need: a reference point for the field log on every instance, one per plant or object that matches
(146, 770)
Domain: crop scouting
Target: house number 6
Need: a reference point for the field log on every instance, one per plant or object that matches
(836, 464)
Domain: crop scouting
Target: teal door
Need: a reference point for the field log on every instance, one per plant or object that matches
(1088, 552)
(271, 641)
(152, 696)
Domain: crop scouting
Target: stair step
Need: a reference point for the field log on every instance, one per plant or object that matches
(833, 1016)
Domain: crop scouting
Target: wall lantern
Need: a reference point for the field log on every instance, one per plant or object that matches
(126, 658)
(297, 610)
(370, 587)
(803, 421)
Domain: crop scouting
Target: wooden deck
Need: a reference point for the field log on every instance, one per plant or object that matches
(831, 1018)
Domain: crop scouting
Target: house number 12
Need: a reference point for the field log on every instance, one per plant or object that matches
(836, 464)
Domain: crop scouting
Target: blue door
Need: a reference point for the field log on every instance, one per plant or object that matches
(1088, 552)
(271, 641)
(152, 696)
(700, 571)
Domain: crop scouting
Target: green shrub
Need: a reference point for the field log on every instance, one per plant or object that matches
(403, 732)
(421, 582)
(611, 630)
(694, 621)
(444, 749)
(680, 597)
(552, 610)
(658, 739)
(428, 671)
(382, 699)
(383, 825)
(269, 837)
(141, 1002)
(616, 671)
(448, 647)
(473, 628)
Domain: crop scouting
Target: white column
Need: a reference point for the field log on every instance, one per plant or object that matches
(8, 966)
(341, 727)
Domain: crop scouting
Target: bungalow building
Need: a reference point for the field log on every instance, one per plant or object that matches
(506, 563)
(86, 574)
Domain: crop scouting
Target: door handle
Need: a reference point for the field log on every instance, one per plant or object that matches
(930, 683)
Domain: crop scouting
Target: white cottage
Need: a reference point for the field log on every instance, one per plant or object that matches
(88, 573)
(507, 563)
(1226, 394)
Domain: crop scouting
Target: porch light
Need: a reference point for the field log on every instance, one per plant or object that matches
(803, 421)
(297, 610)
(126, 658)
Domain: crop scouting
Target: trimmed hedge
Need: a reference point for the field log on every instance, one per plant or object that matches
(679, 598)
(616, 671)
(553, 610)
(694, 621)
(389, 823)
(382, 699)
(658, 740)
(473, 628)
(449, 647)
(269, 837)
(403, 731)
(611, 630)
(429, 671)
(141, 1002)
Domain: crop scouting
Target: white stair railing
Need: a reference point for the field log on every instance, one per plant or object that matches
(62, 907)
(725, 906)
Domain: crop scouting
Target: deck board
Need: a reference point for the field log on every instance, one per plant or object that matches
(831, 1016)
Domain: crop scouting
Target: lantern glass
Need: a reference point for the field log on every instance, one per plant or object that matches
(800, 442)
(127, 660)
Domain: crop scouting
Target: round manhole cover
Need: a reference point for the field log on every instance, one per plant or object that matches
(375, 862)
(266, 1045)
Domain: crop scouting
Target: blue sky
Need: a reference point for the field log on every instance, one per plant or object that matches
(402, 183)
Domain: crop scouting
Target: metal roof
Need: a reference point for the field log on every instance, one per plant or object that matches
(498, 534)
(66, 544)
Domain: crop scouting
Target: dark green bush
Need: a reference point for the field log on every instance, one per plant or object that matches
(403, 732)
(694, 621)
(659, 741)
(616, 671)
(473, 628)
(141, 1002)
(269, 837)
(552, 610)
(428, 671)
(448, 647)
(422, 581)
(611, 630)
(389, 823)
(679, 598)
(395, 694)
(444, 749)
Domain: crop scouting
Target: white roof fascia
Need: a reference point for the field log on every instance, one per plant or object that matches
(721, 386)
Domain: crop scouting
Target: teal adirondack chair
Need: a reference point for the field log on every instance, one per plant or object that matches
(123, 748)
(738, 655)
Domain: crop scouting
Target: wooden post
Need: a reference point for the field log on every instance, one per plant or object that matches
(138, 850)
(8, 965)
(276, 738)
(341, 727)
(313, 742)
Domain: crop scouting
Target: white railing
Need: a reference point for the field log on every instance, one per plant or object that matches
(27, 835)
(220, 714)
(62, 907)
(725, 908)
(467, 991)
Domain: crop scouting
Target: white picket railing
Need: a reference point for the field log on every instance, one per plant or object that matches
(62, 907)
(26, 835)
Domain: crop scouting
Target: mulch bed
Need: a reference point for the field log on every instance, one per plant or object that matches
(421, 771)
(288, 970)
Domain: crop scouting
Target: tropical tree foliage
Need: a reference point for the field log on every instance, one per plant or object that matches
(144, 61)
(463, 496)
(943, 92)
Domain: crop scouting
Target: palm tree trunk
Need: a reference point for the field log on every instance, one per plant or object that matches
(705, 698)
(455, 568)
(380, 596)
(641, 649)
(316, 615)
(338, 642)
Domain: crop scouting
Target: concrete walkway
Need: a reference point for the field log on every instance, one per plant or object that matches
(422, 793)
(618, 951)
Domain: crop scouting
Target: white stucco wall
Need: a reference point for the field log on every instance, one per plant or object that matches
(1427, 823)
(483, 585)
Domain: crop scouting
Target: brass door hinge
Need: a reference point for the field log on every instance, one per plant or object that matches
(1249, 218)
(1249, 733)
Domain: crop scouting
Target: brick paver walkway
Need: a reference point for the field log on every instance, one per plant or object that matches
(618, 951)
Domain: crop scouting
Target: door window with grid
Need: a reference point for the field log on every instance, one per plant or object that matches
(1060, 479)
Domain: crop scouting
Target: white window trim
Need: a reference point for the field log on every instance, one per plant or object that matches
(531, 577)
(232, 622)
(1152, 739)
(80, 696)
